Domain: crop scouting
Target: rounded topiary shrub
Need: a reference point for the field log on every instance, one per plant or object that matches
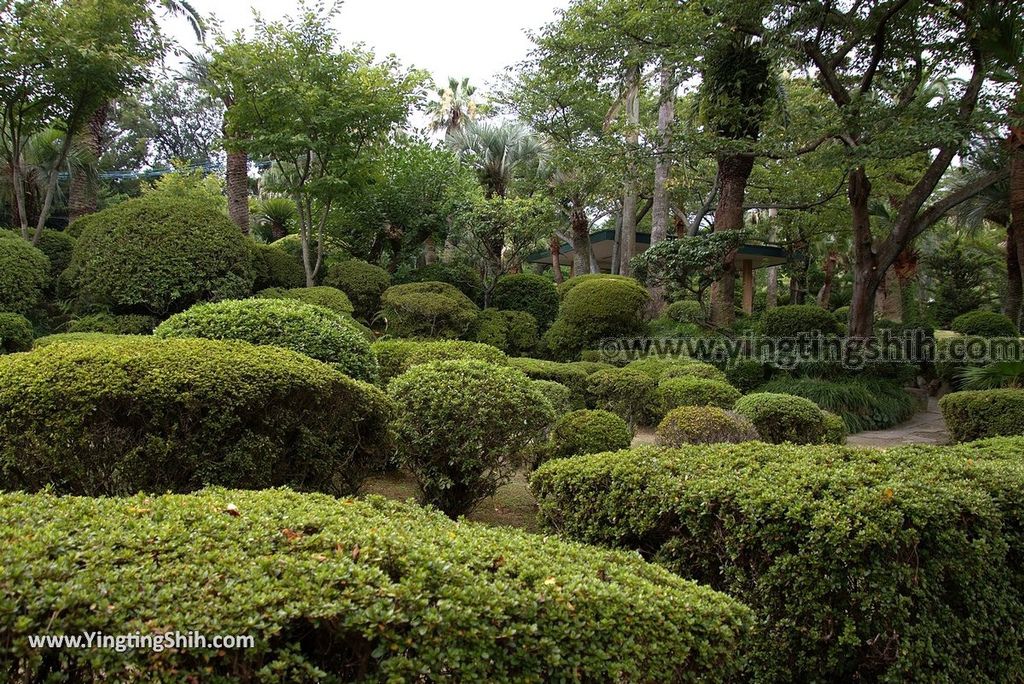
(463, 276)
(783, 417)
(364, 283)
(514, 332)
(588, 432)
(687, 311)
(15, 333)
(328, 297)
(842, 314)
(704, 425)
(558, 394)
(745, 375)
(427, 310)
(595, 310)
(567, 286)
(463, 427)
(126, 324)
(978, 414)
(697, 369)
(24, 274)
(693, 391)
(57, 245)
(342, 591)
(312, 330)
(527, 292)
(117, 415)
(397, 356)
(274, 267)
(835, 429)
(792, 320)
(629, 393)
(160, 255)
(568, 374)
(984, 324)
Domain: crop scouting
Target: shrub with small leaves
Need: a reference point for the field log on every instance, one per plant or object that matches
(397, 356)
(558, 394)
(513, 332)
(783, 417)
(463, 276)
(427, 310)
(463, 428)
(693, 391)
(835, 429)
(527, 292)
(688, 311)
(631, 394)
(703, 425)
(125, 324)
(24, 274)
(978, 414)
(328, 297)
(746, 375)
(984, 324)
(697, 369)
(594, 310)
(568, 374)
(364, 284)
(588, 432)
(15, 333)
(274, 267)
(792, 320)
(57, 245)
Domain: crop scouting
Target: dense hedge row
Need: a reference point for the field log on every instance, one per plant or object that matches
(115, 415)
(274, 267)
(397, 356)
(983, 413)
(124, 324)
(792, 320)
(329, 297)
(984, 324)
(861, 565)
(514, 332)
(341, 591)
(571, 375)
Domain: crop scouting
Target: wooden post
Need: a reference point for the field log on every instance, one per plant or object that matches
(748, 286)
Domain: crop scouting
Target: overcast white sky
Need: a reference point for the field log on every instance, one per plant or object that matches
(474, 38)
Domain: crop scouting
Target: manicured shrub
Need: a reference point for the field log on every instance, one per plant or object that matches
(687, 311)
(984, 324)
(427, 310)
(306, 328)
(745, 374)
(15, 333)
(57, 245)
(568, 374)
(842, 314)
(835, 429)
(558, 394)
(566, 287)
(863, 403)
(24, 273)
(464, 277)
(594, 310)
(703, 425)
(589, 367)
(783, 417)
(328, 297)
(527, 292)
(513, 332)
(862, 565)
(125, 324)
(691, 391)
(157, 255)
(631, 394)
(792, 320)
(274, 267)
(983, 413)
(397, 356)
(59, 338)
(117, 415)
(367, 590)
(364, 284)
(588, 432)
(662, 367)
(696, 369)
(463, 428)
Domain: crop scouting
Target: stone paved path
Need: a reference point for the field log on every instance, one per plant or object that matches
(926, 427)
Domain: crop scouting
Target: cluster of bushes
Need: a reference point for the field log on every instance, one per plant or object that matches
(328, 297)
(864, 403)
(593, 309)
(782, 418)
(466, 278)
(397, 356)
(704, 425)
(514, 332)
(861, 565)
(428, 309)
(113, 324)
(362, 282)
(529, 292)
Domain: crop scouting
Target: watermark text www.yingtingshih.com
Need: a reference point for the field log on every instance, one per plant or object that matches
(852, 353)
(155, 642)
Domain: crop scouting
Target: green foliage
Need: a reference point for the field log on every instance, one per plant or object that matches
(588, 432)
(527, 292)
(693, 391)
(864, 403)
(309, 329)
(745, 374)
(15, 333)
(589, 367)
(687, 266)
(959, 272)
(116, 415)
(328, 297)
(156, 255)
(998, 375)
(687, 311)
(85, 337)
(558, 394)
(984, 324)
(569, 374)
(126, 324)
(24, 274)
(783, 417)
(431, 310)
(737, 86)
(596, 309)
(842, 314)
(792, 320)
(466, 278)
(463, 428)
(363, 283)
(57, 245)
(568, 285)
(274, 267)
(835, 429)
(983, 413)
(514, 332)
(703, 425)
(696, 369)
(310, 579)
(909, 553)
(397, 356)
(660, 367)
(631, 394)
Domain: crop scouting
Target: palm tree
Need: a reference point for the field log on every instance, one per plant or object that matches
(454, 107)
(499, 153)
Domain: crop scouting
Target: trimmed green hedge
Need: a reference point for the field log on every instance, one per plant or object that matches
(116, 415)
(628, 393)
(691, 391)
(463, 276)
(527, 292)
(364, 283)
(594, 310)
(588, 432)
(397, 356)
(24, 274)
(571, 375)
(984, 324)
(558, 394)
(427, 310)
(862, 565)
(703, 425)
(790, 321)
(514, 332)
(308, 329)
(783, 417)
(328, 297)
(57, 245)
(567, 286)
(331, 591)
(158, 255)
(983, 413)
(15, 333)
(688, 311)
(126, 324)
(274, 267)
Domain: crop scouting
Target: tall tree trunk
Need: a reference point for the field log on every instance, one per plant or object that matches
(771, 299)
(580, 226)
(429, 251)
(1014, 284)
(733, 172)
(1016, 226)
(889, 297)
(236, 181)
(83, 193)
(825, 293)
(617, 244)
(556, 264)
(866, 275)
(663, 162)
(627, 237)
